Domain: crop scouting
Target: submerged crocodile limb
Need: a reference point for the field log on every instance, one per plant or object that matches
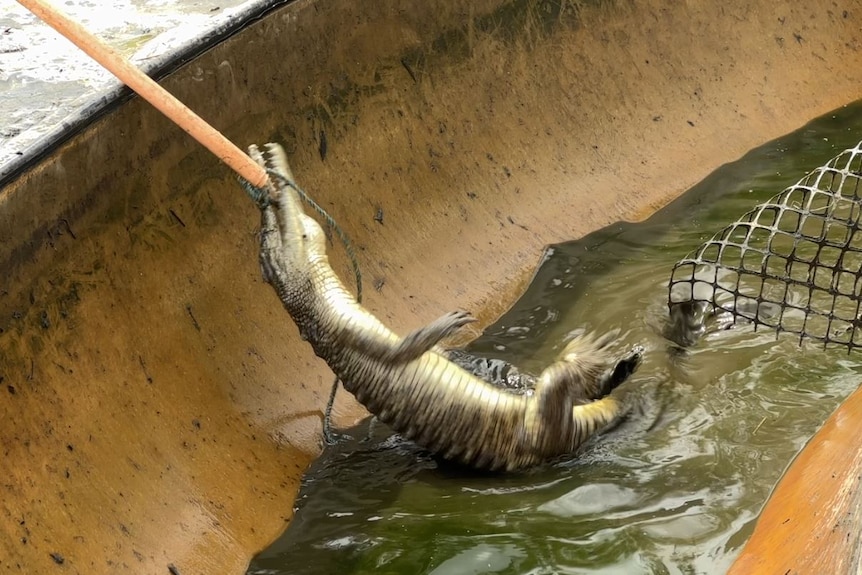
(409, 383)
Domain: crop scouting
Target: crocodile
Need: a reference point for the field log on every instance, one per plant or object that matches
(410, 383)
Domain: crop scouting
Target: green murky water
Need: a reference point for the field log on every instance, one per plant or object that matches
(675, 489)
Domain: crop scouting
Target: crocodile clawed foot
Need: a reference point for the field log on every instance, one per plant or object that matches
(450, 323)
(624, 368)
(423, 339)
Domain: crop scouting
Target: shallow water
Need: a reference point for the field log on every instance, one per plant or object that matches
(674, 489)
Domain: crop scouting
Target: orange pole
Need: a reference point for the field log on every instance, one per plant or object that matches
(150, 91)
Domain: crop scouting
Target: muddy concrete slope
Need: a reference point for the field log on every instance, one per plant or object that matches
(158, 405)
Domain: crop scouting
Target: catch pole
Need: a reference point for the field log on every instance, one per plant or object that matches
(149, 90)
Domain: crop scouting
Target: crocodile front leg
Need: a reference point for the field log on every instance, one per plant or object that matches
(411, 346)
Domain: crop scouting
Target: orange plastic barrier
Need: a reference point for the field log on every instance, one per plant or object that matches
(811, 522)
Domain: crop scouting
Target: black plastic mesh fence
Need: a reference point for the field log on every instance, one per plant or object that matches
(791, 264)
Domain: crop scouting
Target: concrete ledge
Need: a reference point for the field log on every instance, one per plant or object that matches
(51, 90)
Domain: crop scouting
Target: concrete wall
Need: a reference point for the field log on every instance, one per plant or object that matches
(152, 415)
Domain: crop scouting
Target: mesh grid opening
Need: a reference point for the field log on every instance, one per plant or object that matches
(792, 264)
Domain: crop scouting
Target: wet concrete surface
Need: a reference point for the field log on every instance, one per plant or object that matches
(48, 86)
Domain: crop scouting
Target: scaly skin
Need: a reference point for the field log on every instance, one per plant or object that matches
(409, 383)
